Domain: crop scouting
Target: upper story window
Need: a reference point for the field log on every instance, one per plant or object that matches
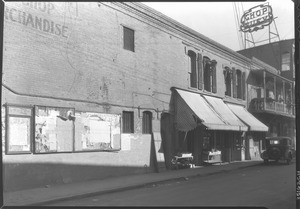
(285, 61)
(192, 68)
(228, 81)
(239, 84)
(128, 122)
(147, 122)
(128, 39)
(209, 75)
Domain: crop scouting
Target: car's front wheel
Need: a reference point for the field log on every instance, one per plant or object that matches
(266, 161)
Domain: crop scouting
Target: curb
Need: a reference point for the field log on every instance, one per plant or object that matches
(140, 185)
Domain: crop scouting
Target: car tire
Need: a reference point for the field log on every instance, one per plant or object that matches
(266, 161)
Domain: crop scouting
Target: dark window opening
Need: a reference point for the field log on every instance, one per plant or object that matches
(192, 70)
(128, 39)
(209, 74)
(228, 82)
(128, 122)
(147, 122)
(239, 84)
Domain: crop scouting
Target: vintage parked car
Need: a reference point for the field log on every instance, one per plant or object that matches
(278, 148)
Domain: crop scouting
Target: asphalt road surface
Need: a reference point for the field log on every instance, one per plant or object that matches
(272, 186)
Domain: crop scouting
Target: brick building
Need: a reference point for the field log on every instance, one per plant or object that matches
(93, 90)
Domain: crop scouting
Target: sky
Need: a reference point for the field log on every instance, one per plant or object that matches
(218, 20)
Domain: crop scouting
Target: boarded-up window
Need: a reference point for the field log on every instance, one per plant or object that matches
(97, 131)
(19, 126)
(128, 122)
(53, 129)
(128, 39)
(147, 122)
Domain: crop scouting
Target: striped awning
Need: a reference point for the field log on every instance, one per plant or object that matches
(192, 109)
(245, 116)
(227, 115)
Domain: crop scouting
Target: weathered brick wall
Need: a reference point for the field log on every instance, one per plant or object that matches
(82, 58)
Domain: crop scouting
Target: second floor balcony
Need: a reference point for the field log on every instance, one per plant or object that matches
(272, 106)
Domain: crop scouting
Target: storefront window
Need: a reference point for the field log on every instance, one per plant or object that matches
(53, 129)
(18, 130)
(97, 131)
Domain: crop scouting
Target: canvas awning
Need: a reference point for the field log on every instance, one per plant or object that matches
(227, 115)
(192, 109)
(253, 123)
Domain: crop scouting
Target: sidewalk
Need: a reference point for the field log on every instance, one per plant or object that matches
(43, 196)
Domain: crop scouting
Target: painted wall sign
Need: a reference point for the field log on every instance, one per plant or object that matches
(256, 18)
(35, 21)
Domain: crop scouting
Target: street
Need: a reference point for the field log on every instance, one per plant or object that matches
(272, 186)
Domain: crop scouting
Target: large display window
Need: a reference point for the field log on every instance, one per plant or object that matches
(18, 129)
(97, 131)
(42, 129)
(54, 129)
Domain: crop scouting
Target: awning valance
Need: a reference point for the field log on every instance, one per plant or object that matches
(192, 109)
(253, 123)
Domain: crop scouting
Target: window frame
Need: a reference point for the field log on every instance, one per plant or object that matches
(193, 69)
(149, 116)
(7, 125)
(34, 131)
(128, 46)
(131, 113)
(239, 88)
(228, 77)
(207, 74)
(96, 150)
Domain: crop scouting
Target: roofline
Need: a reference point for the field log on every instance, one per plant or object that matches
(262, 45)
(171, 23)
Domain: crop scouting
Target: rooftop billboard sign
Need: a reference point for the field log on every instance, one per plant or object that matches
(256, 18)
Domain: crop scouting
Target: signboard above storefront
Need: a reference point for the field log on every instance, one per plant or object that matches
(256, 18)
